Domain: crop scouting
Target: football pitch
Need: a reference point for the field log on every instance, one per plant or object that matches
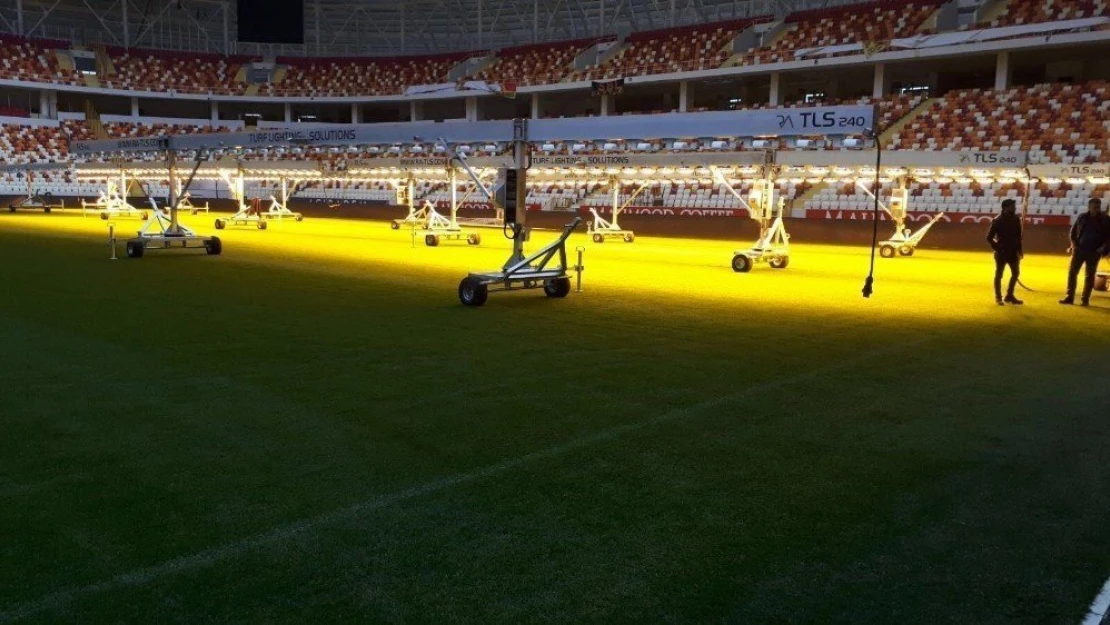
(311, 428)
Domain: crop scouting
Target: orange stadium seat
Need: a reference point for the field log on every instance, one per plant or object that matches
(361, 76)
(1053, 122)
(33, 60)
(182, 72)
(861, 23)
(1020, 12)
(673, 50)
(538, 64)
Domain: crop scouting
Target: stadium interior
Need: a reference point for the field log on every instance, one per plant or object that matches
(968, 103)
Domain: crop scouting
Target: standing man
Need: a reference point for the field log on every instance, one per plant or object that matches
(1005, 239)
(1089, 237)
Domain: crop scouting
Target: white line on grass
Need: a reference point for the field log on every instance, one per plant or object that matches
(1099, 609)
(208, 557)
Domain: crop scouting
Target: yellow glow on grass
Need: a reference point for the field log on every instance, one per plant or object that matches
(654, 271)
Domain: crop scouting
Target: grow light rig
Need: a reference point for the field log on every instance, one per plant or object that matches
(546, 268)
(904, 241)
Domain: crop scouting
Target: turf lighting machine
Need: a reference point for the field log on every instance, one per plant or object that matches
(279, 209)
(904, 240)
(440, 228)
(247, 214)
(547, 267)
(185, 201)
(112, 201)
(601, 229)
(165, 232)
(406, 196)
(34, 201)
(773, 246)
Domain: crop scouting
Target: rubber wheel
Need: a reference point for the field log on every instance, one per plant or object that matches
(46, 210)
(135, 249)
(104, 216)
(220, 224)
(628, 238)
(598, 238)
(559, 287)
(262, 225)
(472, 292)
(1102, 283)
(300, 217)
(11, 209)
(431, 240)
(886, 251)
(779, 262)
(905, 251)
(144, 215)
(214, 246)
(474, 239)
(741, 263)
(393, 225)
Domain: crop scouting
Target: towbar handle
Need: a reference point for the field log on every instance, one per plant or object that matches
(569, 228)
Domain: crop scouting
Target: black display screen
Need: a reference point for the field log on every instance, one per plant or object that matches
(271, 21)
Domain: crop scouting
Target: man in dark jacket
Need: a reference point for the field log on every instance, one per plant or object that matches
(1090, 237)
(1005, 239)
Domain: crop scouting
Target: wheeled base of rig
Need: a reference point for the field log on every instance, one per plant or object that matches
(892, 248)
(279, 212)
(434, 237)
(475, 288)
(599, 236)
(186, 204)
(139, 245)
(242, 218)
(417, 218)
(905, 241)
(35, 202)
(530, 273)
(742, 262)
(438, 228)
(129, 211)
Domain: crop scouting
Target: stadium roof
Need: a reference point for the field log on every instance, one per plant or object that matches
(371, 27)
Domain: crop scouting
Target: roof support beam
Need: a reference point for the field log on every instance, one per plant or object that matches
(96, 14)
(42, 19)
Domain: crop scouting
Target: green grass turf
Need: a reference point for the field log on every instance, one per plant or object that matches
(272, 436)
